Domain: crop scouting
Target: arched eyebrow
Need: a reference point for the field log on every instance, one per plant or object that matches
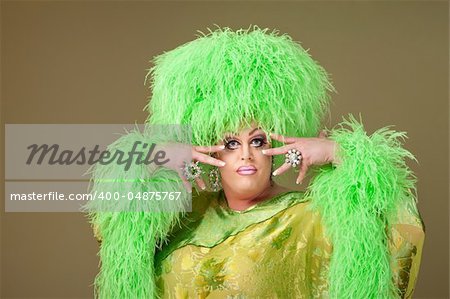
(229, 135)
(258, 128)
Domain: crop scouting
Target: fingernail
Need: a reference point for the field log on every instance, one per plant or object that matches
(222, 163)
(222, 146)
(275, 173)
(264, 152)
(203, 187)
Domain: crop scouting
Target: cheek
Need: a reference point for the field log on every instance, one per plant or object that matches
(265, 165)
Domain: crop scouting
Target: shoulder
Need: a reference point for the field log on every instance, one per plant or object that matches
(298, 209)
(304, 215)
(302, 206)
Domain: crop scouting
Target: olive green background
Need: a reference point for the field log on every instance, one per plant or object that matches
(85, 62)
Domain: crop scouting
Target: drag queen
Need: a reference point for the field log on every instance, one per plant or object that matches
(255, 101)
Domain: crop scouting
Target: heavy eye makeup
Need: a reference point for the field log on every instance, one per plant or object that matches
(231, 143)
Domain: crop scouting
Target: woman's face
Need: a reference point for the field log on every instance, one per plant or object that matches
(247, 170)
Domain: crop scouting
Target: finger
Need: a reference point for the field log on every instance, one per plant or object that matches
(207, 159)
(283, 138)
(323, 134)
(278, 150)
(200, 183)
(282, 169)
(209, 149)
(301, 175)
(186, 183)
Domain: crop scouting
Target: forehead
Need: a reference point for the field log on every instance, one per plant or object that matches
(246, 131)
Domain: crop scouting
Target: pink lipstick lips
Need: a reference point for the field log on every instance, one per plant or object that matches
(246, 170)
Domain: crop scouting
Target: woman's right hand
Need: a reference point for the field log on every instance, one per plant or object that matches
(176, 152)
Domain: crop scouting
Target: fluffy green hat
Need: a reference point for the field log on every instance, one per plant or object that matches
(225, 79)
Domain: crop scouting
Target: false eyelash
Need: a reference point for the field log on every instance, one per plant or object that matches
(263, 141)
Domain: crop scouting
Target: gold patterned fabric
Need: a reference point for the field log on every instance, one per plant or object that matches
(277, 248)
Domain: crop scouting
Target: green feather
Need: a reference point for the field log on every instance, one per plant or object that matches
(131, 230)
(226, 79)
(357, 200)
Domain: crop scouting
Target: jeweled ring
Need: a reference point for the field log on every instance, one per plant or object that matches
(293, 157)
(191, 170)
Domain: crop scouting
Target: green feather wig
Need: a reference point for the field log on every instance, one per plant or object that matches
(219, 83)
(225, 79)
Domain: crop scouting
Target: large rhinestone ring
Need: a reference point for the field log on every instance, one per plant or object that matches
(293, 157)
(191, 170)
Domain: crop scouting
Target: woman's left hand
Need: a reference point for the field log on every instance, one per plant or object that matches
(314, 151)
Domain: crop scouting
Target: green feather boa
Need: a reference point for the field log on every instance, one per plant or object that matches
(358, 200)
(130, 234)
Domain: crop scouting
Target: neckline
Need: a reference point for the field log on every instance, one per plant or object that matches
(224, 203)
(216, 222)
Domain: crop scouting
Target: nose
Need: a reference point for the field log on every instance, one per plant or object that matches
(246, 153)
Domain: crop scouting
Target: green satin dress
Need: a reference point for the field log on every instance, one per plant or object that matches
(277, 248)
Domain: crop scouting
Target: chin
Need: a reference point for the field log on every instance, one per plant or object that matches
(249, 191)
(248, 186)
